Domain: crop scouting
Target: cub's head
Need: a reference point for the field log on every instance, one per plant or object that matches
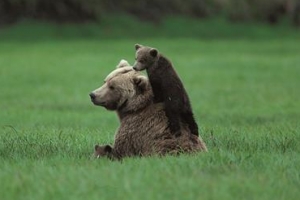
(124, 90)
(145, 57)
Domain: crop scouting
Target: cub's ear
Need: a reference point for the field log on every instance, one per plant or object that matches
(123, 63)
(137, 46)
(141, 83)
(153, 52)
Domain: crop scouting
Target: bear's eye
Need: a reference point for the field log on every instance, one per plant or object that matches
(142, 61)
(111, 87)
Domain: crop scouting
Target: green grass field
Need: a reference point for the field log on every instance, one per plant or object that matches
(245, 96)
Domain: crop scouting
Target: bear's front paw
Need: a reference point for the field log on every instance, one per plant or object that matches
(101, 151)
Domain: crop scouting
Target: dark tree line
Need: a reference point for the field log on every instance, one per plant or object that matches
(151, 10)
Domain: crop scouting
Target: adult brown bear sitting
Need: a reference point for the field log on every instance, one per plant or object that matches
(143, 127)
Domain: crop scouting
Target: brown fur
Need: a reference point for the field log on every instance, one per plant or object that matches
(167, 88)
(143, 127)
(102, 151)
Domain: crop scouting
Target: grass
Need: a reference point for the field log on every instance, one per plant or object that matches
(244, 92)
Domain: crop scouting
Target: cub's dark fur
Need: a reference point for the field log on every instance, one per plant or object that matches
(167, 88)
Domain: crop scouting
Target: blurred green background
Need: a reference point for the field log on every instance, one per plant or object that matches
(238, 59)
(25, 19)
(271, 11)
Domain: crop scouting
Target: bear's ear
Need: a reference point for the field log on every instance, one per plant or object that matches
(153, 52)
(123, 63)
(141, 82)
(137, 46)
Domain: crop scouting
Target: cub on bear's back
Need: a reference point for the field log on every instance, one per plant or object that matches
(167, 88)
(143, 129)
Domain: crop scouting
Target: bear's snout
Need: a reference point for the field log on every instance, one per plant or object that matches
(135, 67)
(93, 96)
(96, 100)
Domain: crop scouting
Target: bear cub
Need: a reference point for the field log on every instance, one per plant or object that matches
(167, 88)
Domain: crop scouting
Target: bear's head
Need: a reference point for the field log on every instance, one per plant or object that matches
(124, 90)
(145, 57)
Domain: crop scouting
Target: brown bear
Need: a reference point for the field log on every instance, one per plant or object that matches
(143, 129)
(167, 88)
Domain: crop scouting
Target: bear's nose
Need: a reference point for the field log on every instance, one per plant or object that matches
(93, 96)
